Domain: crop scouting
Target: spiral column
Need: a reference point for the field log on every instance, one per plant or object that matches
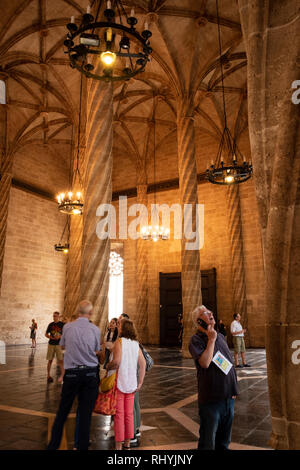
(94, 276)
(72, 290)
(190, 259)
(6, 161)
(142, 276)
(272, 43)
(235, 232)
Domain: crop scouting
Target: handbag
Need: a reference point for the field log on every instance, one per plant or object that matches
(107, 382)
(106, 402)
(148, 358)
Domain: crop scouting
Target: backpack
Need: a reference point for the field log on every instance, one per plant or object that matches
(148, 358)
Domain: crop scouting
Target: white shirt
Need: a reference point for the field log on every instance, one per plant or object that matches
(236, 326)
(127, 373)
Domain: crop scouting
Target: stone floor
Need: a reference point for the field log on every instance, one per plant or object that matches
(168, 404)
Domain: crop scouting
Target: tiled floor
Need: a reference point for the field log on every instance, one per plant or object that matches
(168, 402)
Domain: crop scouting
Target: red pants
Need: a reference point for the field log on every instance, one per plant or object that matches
(123, 421)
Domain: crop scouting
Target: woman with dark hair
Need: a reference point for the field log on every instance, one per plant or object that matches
(127, 356)
(111, 337)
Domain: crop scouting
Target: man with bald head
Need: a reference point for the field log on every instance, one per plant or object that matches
(217, 382)
(81, 341)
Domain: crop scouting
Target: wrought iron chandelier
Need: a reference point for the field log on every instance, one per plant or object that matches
(115, 264)
(64, 248)
(71, 201)
(110, 41)
(230, 166)
(155, 232)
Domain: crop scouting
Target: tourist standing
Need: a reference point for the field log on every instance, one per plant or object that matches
(33, 329)
(54, 333)
(222, 328)
(111, 337)
(237, 332)
(81, 341)
(217, 382)
(127, 356)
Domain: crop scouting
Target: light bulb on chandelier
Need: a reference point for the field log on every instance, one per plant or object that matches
(156, 233)
(69, 204)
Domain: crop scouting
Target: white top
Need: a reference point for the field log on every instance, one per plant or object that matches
(236, 326)
(127, 380)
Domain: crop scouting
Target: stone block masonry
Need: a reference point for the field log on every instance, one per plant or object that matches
(34, 273)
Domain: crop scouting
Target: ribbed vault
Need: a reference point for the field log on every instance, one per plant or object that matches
(43, 91)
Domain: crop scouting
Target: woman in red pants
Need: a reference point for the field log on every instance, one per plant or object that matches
(127, 357)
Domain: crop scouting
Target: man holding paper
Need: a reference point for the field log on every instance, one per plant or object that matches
(217, 382)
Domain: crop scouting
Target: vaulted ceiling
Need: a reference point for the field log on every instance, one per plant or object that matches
(44, 91)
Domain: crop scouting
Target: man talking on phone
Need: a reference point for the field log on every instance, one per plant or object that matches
(217, 382)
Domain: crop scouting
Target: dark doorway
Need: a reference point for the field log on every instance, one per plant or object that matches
(171, 303)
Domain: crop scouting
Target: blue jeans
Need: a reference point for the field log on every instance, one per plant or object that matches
(82, 383)
(215, 425)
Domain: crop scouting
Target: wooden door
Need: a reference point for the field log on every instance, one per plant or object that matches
(171, 303)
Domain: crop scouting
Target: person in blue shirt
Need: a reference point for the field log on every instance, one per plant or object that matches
(81, 341)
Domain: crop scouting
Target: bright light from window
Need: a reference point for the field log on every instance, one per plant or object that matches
(2, 92)
(115, 292)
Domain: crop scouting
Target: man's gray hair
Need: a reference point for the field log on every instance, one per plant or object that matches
(84, 307)
(196, 313)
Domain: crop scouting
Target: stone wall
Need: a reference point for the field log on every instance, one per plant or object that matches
(165, 257)
(34, 273)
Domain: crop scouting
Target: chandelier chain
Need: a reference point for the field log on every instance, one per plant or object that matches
(221, 66)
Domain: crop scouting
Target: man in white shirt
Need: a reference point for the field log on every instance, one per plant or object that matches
(237, 332)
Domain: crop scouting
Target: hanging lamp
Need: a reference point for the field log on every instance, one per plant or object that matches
(230, 166)
(63, 247)
(110, 41)
(154, 232)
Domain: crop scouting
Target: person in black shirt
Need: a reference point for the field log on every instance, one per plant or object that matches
(217, 382)
(222, 328)
(54, 333)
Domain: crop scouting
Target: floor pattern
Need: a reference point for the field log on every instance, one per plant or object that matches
(168, 403)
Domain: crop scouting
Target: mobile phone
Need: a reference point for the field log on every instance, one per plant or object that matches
(202, 323)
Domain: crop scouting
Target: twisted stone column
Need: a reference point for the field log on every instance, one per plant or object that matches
(141, 276)
(235, 232)
(190, 259)
(72, 291)
(271, 37)
(94, 277)
(5, 183)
